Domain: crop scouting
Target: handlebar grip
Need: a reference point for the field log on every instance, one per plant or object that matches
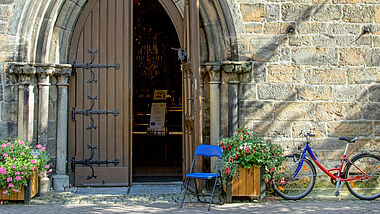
(311, 135)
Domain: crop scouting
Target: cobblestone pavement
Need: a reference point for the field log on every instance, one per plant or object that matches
(69, 202)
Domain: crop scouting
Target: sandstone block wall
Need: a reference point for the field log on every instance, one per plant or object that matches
(313, 68)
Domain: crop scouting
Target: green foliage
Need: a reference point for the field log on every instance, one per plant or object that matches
(246, 149)
(18, 161)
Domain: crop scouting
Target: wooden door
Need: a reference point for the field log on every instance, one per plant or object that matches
(105, 25)
(192, 135)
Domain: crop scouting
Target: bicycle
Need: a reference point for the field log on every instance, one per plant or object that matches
(361, 173)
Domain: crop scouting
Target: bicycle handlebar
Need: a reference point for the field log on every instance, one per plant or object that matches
(306, 134)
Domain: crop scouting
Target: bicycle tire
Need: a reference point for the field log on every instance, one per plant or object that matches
(295, 189)
(367, 189)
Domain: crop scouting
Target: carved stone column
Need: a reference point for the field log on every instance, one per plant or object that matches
(61, 179)
(43, 105)
(25, 119)
(233, 69)
(214, 72)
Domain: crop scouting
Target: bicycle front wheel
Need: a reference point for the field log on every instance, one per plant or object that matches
(295, 188)
(365, 169)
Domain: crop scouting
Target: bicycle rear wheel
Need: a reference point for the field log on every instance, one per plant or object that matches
(295, 188)
(365, 189)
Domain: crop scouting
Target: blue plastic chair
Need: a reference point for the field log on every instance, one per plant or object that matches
(207, 151)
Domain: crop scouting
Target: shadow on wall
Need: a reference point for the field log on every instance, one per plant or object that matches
(281, 116)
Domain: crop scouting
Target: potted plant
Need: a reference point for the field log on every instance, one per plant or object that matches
(20, 163)
(248, 160)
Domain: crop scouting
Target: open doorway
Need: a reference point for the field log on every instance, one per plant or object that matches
(157, 155)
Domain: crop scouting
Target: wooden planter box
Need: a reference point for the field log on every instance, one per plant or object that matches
(248, 184)
(26, 193)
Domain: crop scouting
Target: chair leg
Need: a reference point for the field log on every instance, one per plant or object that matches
(196, 190)
(212, 194)
(184, 195)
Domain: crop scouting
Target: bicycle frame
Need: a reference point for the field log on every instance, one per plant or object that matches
(328, 171)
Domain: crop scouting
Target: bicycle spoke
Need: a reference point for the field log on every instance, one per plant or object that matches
(365, 172)
(294, 188)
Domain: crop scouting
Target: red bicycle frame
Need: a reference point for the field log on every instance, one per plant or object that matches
(328, 171)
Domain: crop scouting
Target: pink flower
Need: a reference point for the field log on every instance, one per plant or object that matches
(266, 180)
(34, 156)
(18, 177)
(22, 153)
(13, 166)
(15, 190)
(43, 148)
(26, 147)
(11, 151)
(3, 171)
(235, 155)
(17, 173)
(282, 181)
(9, 179)
(5, 192)
(50, 170)
(3, 145)
(33, 168)
(12, 146)
(33, 161)
(24, 167)
(5, 155)
(271, 170)
(21, 143)
(47, 166)
(38, 146)
(11, 185)
(227, 170)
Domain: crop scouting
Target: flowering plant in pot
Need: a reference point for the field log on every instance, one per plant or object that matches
(246, 149)
(18, 161)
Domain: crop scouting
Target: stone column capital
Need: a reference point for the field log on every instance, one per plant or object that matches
(213, 70)
(63, 80)
(234, 69)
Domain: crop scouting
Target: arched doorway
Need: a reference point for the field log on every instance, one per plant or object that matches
(157, 152)
(107, 27)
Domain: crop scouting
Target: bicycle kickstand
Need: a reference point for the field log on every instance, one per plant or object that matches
(338, 187)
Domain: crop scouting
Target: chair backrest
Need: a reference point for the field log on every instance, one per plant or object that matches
(208, 150)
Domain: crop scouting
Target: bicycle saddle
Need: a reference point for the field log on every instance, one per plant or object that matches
(348, 139)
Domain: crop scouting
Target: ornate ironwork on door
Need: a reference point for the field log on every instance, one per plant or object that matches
(90, 112)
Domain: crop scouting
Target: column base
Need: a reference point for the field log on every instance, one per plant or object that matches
(61, 182)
